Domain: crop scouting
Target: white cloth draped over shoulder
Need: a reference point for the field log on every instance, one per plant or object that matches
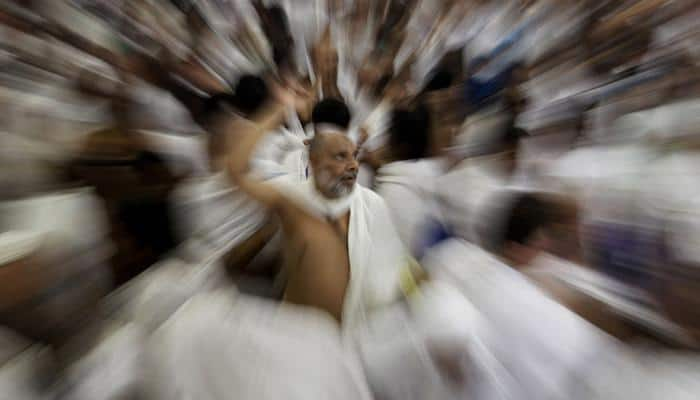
(376, 252)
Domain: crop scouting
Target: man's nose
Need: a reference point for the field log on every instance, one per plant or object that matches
(352, 166)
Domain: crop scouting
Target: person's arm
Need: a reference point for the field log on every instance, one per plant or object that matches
(249, 134)
(194, 73)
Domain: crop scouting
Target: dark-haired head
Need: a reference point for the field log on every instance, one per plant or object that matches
(525, 216)
(331, 111)
(250, 94)
(410, 133)
(278, 17)
(441, 79)
(535, 223)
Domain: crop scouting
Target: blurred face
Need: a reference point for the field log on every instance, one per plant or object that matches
(334, 163)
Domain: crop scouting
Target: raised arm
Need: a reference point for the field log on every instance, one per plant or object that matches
(247, 134)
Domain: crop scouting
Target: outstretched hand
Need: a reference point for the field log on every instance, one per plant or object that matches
(293, 94)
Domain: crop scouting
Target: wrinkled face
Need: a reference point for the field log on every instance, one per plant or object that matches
(334, 162)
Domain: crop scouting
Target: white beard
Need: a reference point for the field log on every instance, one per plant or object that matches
(334, 207)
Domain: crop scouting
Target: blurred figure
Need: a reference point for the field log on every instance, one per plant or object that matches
(330, 192)
(55, 254)
(217, 220)
(460, 115)
(134, 182)
(406, 179)
(331, 111)
(529, 363)
(465, 190)
(330, 226)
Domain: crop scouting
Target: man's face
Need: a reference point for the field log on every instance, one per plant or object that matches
(334, 163)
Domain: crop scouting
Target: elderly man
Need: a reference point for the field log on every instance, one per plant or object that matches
(332, 226)
(342, 260)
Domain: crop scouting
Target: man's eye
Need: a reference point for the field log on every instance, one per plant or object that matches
(339, 157)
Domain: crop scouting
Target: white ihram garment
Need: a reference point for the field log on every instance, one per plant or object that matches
(221, 346)
(408, 187)
(545, 350)
(232, 344)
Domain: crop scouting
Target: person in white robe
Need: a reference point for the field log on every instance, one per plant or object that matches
(544, 350)
(214, 219)
(54, 250)
(487, 148)
(195, 335)
(407, 182)
(569, 298)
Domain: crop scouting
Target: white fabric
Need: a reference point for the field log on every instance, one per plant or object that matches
(75, 215)
(155, 295)
(220, 346)
(283, 152)
(112, 370)
(365, 176)
(466, 195)
(646, 373)
(18, 378)
(307, 21)
(671, 194)
(608, 181)
(186, 155)
(155, 109)
(545, 349)
(480, 132)
(214, 217)
(215, 214)
(408, 187)
(377, 125)
(402, 349)
(18, 360)
(15, 245)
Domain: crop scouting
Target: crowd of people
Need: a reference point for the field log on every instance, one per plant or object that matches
(349, 199)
